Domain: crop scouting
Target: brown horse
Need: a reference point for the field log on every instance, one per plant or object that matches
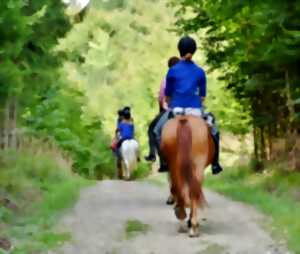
(188, 148)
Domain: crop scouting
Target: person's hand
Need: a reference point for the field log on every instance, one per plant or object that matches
(203, 104)
(165, 105)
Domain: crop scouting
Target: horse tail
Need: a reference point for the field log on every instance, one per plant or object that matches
(185, 163)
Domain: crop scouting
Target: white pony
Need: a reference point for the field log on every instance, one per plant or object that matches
(129, 153)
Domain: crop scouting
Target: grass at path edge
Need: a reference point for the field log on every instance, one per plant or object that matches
(274, 193)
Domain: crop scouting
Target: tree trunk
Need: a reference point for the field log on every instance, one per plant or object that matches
(6, 126)
(270, 142)
(13, 123)
(10, 124)
(291, 139)
(262, 145)
(2, 128)
(255, 140)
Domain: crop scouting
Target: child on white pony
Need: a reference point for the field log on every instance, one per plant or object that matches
(127, 146)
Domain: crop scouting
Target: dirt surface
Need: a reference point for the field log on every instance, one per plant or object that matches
(98, 224)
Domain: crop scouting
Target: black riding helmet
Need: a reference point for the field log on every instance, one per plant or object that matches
(127, 108)
(187, 45)
(126, 115)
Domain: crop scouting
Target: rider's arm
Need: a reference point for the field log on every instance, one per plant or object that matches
(162, 98)
(167, 100)
(118, 130)
(169, 87)
(165, 103)
(202, 86)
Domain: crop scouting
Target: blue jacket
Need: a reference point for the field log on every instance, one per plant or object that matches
(126, 130)
(186, 83)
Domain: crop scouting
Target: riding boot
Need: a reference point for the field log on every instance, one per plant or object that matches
(163, 166)
(150, 157)
(216, 167)
(151, 136)
(118, 155)
(119, 168)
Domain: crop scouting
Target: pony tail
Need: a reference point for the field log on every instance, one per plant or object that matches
(186, 167)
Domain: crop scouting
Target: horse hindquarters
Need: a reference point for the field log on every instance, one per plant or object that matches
(185, 146)
(129, 152)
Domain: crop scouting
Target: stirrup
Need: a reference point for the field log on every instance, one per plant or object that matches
(216, 169)
(163, 168)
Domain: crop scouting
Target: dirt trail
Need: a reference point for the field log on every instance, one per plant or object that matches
(99, 219)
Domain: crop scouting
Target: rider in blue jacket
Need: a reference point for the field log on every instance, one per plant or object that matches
(186, 89)
(125, 128)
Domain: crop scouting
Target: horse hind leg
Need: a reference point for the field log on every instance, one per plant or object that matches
(171, 198)
(127, 170)
(193, 224)
(119, 169)
(180, 213)
(196, 199)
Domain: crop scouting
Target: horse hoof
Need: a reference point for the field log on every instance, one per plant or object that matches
(182, 228)
(189, 223)
(170, 201)
(176, 211)
(194, 231)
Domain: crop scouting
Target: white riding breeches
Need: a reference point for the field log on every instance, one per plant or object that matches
(187, 111)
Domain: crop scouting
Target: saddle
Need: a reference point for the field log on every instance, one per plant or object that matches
(208, 117)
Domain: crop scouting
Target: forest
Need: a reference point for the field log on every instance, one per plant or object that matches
(63, 78)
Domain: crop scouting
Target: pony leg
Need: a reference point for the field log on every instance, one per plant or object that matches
(127, 170)
(171, 199)
(119, 169)
(193, 221)
(137, 154)
(182, 227)
(197, 199)
(181, 215)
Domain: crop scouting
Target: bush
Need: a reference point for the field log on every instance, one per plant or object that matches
(38, 183)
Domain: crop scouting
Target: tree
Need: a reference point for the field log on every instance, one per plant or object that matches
(28, 31)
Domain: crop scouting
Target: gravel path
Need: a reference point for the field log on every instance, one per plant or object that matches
(98, 224)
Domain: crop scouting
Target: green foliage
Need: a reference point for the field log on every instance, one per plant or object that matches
(28, 34)
(275, 193)
(142, 171)
(38, 180)
(60, 117)
(134, 228)
(116, 62)
(231, 115)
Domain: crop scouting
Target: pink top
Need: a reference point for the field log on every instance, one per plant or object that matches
(162, 98)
